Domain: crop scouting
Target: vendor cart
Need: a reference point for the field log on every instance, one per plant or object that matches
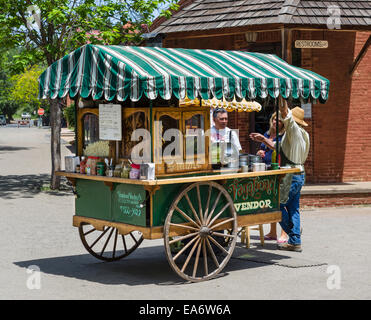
(196, 209)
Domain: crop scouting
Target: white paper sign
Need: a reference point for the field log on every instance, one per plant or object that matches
(110, 127)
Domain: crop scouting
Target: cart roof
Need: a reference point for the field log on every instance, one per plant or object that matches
(126, 72)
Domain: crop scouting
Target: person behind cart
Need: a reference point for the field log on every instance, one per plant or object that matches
(294, 149)
(266, 154)
(226, 141)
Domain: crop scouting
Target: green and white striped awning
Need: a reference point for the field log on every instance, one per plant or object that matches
(124, 72)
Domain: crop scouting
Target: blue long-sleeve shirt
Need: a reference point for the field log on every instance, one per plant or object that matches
(268, 152)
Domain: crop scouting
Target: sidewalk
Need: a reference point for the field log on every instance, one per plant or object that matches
(337, 188)
(336, 194)
(67, 135)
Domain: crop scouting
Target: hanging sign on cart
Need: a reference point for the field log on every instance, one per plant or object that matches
(110, 122)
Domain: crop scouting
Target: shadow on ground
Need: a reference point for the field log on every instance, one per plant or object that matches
(145, 266)
(27, 186)
(12, 149)
(71, 148)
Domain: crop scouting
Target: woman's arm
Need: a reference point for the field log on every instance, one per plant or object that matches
(260, 138)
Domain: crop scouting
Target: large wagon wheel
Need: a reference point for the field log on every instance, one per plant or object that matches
(108, 245)
(197, 243)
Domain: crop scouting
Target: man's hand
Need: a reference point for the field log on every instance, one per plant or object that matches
(284, 109)
(261, 153)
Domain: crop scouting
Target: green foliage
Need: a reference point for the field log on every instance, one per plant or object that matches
(69, 115)
(8, 106)
(25, 89)
(35, 34)
(49, 29)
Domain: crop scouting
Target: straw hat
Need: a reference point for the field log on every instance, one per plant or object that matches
(298, 115)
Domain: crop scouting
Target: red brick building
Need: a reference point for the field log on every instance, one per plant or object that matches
(340, 31)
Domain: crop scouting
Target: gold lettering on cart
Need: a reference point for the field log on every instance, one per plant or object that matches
(242, 206)
(182, 167)
(252, 188)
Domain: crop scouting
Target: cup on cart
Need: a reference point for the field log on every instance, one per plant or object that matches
(258, 166)
(245, 168)
(274, 166)
(147, 171)
(135, 171)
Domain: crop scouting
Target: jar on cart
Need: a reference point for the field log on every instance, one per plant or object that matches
(117, 171)
(125, 171)
(135, 171)
(100, 168)
(91, 165)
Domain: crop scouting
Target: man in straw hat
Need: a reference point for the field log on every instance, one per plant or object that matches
(294, 149)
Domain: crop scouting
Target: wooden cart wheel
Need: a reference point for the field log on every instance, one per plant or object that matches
(108, 245)
(200, 231)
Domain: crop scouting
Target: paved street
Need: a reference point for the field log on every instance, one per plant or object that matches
(36, 230)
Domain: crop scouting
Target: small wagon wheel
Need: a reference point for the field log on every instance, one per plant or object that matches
(200, 231)
(108, 245)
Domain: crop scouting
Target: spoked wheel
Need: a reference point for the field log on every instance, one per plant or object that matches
(200, 231)
(108, 245)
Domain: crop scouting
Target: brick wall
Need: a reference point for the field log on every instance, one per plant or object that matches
(307, 63)
(240, 121)
(330, 121)
(341, 127)
(217, 43)
(357, 159)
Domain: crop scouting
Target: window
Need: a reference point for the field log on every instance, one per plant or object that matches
(170, 144)
(180, 142)
(194, 142)
(133, 119)
(90, 129)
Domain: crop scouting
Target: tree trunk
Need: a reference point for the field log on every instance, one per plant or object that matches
(55, 125)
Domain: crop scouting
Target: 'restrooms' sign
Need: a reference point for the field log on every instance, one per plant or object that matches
(311, 44)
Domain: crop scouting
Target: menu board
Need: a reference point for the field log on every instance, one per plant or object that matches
(110, 127)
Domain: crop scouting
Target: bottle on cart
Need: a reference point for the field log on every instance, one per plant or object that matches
(88, 166)
(125, 171)
(274, 163)
(82, 165)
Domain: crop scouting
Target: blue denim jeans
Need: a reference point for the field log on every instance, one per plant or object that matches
(290, 211)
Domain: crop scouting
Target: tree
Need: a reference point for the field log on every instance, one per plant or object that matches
(8, 107)
(25, 88)
(49, 29)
